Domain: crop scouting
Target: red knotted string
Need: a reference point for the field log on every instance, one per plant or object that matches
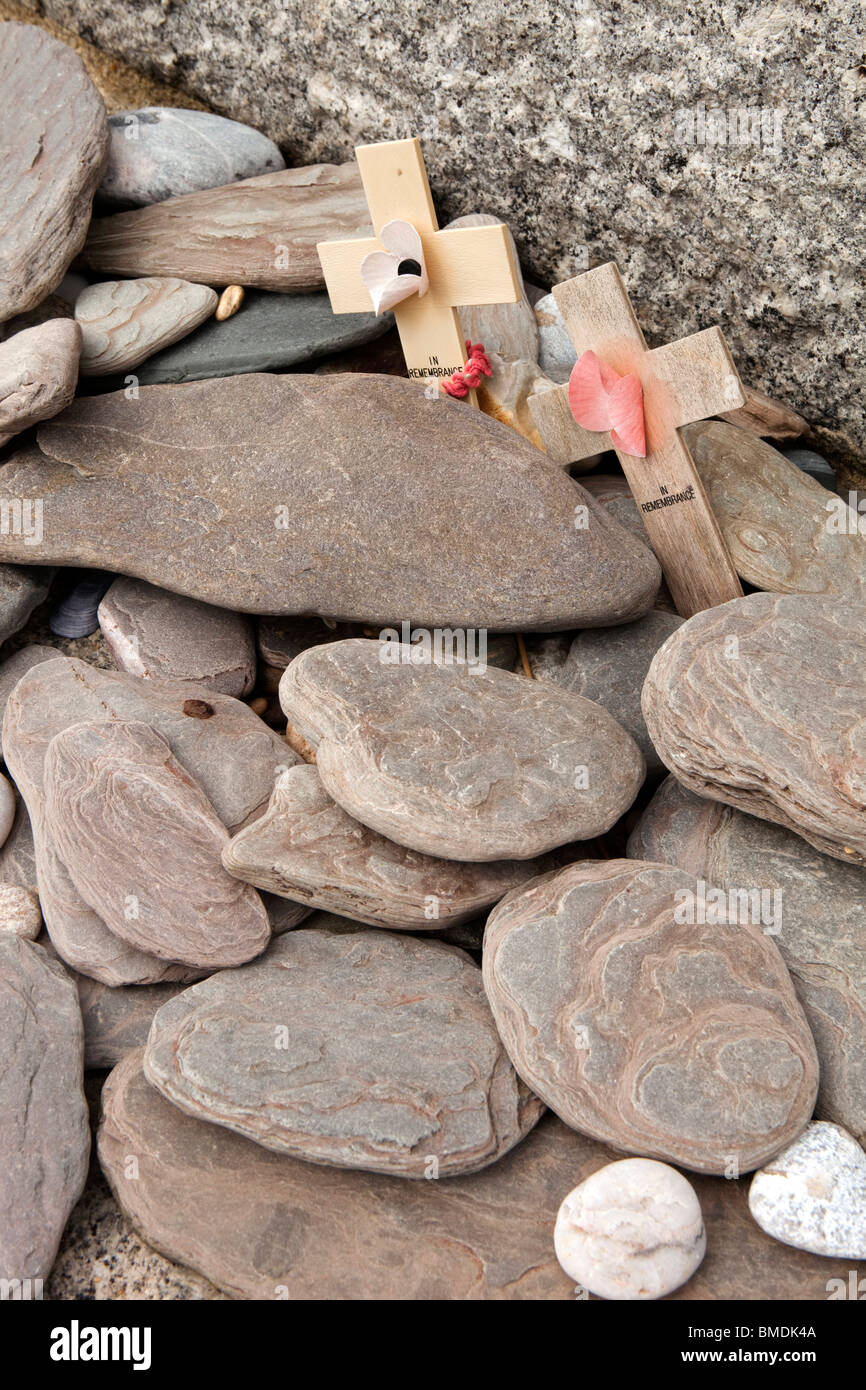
(469, 376)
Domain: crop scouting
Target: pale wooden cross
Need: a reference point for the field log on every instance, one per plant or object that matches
(683, 382)
(467, 265)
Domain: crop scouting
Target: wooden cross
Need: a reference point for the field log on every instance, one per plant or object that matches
(686, 381)
(467, 265)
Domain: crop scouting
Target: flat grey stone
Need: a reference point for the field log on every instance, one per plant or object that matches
(224, 747)
(38, 374)
(263, 1225)
(784, 531)
(814, 906)
(123, 322)
(362, 1050)
(459, 762)
(666, 1038)
(22, 589)
(269, 333)
(307, 848)
(142, 845)
(315, 502)
(731, 704)
(813, 1194)
(52, 153)
(159, 152)
(261, 231)
(117, 1018)
(156, 634)
(609, 666)
(45, 1135)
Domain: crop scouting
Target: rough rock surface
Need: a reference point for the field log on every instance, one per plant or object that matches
(142, 845)
(117, 1019)
(219, 741)
(19, 912)
(17, 665)
(731, 702)
(123, 322)
(615, 495)
(160, 152)
(18, 855)
(269, 333)
(260, 231)
(776, 520)
(38, 374)
(306, 847)
(359, 1050)
(53, 150)
(609, 666)
(316, 503)
(263, 1225)
(818, 921)
(813, 1194)
(665, 1038)
(633, 1230)
(45, 1135)
(22, 590)
(153, 633)
(455, 761)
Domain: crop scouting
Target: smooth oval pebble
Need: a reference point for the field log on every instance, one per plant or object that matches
(20, 914)
(358, 1049)
(306, 847)
(123, 322)
(45, 1134)
(736, 703)
(142, 845)
(663, 1037)
(159, 152)
(633, 1230)
(813, 1194)
(454, 761)
(7, 808)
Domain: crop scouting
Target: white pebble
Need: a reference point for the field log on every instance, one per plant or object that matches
(813, 1194)
(20, 914)
(633, 1230)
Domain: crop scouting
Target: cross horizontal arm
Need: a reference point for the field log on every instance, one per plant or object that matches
(469, 265)
(565, 441)
(699, 375)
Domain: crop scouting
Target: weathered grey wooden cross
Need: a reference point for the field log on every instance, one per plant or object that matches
(466, 265)
(683, 382)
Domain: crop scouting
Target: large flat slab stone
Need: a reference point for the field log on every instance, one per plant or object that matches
(317, 502)
(357, 1049)
(761, 703)
(457, 761)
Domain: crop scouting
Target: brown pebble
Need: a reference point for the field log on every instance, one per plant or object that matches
(197, 709)
(259, 705)
(230, 301)
(300, 745)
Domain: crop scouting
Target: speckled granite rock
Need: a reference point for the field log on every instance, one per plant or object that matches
(219, 741)
(362, 1050)
(131, 826)
(775, 518)
(731, 705)
(38, 374)
(575, 81)
(45, 1135)
(818, 922)
(666, 1038)
(117, 1019)
(275, 219)
(263, 1225)
(273, 532)
(269, 333)
(160, 152)
(306, 847)
(813, 1194)
(123, 322)
(52, 153)
(459, 762)
(609, 666)
(156, 634)
(22, 590)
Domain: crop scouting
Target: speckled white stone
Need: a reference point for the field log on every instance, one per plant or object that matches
(633, 1230)
(20, 914)
(813, 1195)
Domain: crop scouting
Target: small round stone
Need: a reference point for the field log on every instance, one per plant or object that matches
(633, 1230)
(230, 301)
(20, 914)
(813, 1194)
(7, 808)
